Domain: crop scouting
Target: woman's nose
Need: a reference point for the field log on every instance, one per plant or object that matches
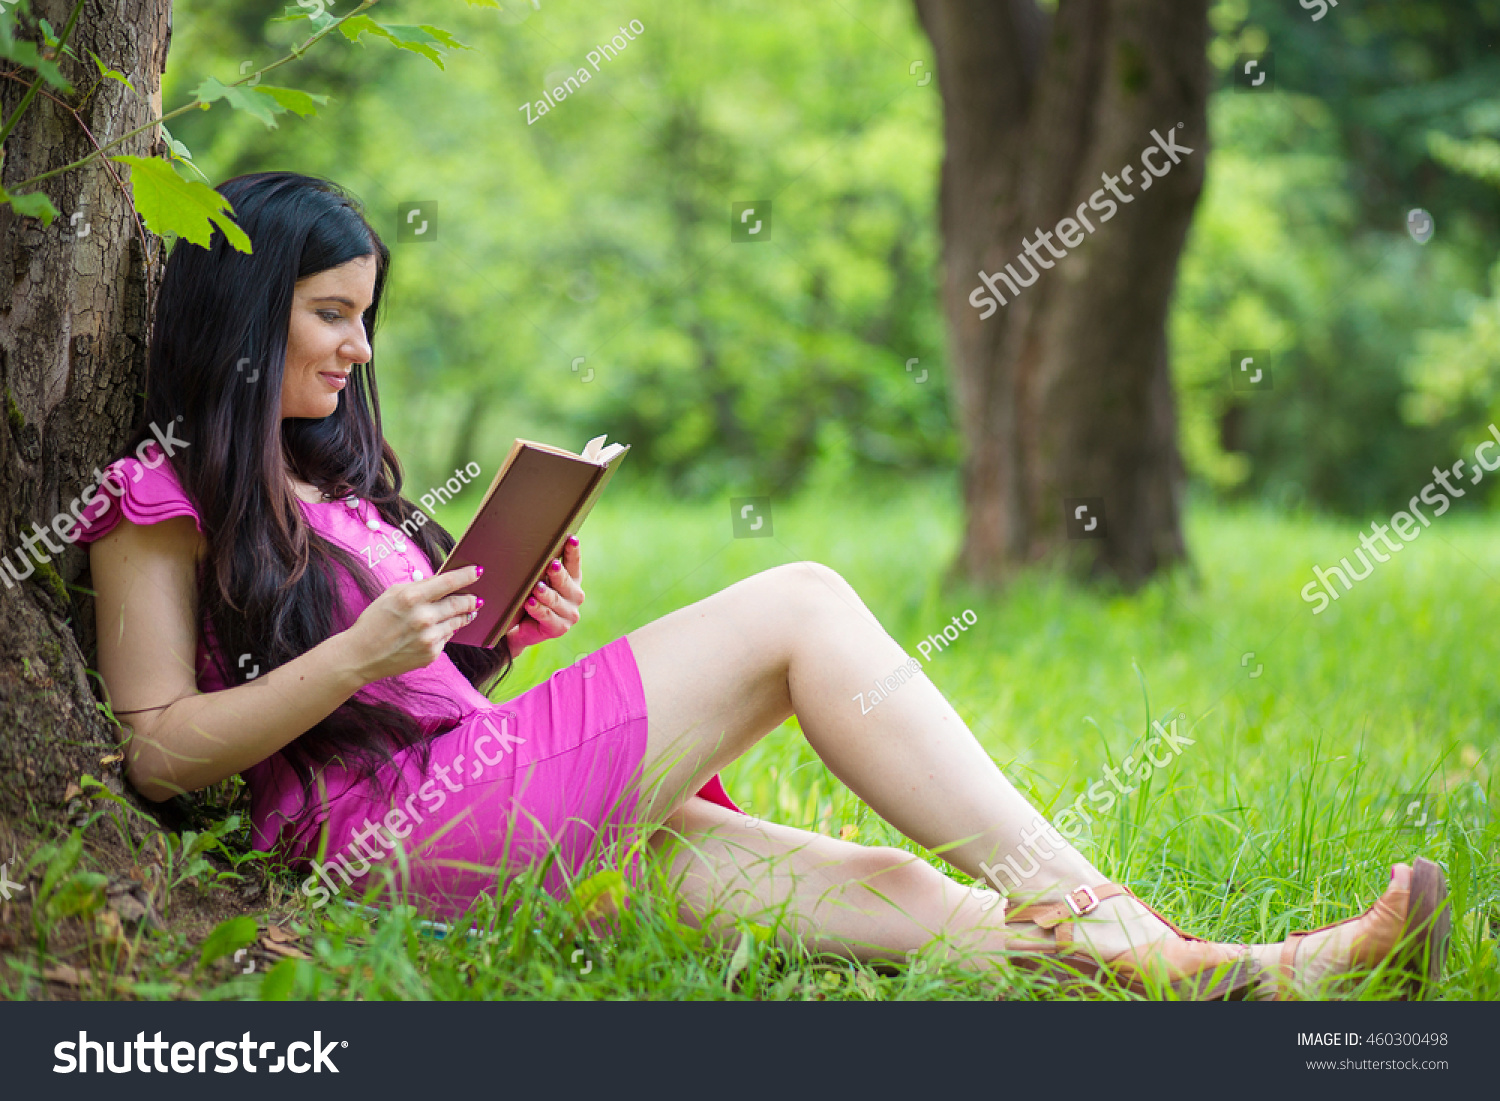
(357, 350)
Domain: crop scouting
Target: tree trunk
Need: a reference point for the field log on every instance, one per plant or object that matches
(75, 304)
(1064, 391)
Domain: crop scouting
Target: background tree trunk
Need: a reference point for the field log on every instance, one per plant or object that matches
(75, 304)
(1065, 391)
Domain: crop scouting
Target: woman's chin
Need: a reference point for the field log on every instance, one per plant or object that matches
(318, 410)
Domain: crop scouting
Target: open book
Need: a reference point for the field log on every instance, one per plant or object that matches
(540, 496)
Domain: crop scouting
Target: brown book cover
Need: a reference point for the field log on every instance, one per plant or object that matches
(540, 496)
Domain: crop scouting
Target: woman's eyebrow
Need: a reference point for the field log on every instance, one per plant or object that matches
(335, 298)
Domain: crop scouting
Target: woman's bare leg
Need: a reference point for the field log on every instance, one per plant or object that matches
(721, 673)
(838, 897)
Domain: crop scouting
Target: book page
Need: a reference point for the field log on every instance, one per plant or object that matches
(591, 449)
(547, 447)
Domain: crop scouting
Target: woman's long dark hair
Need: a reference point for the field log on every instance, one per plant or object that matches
(268, 587)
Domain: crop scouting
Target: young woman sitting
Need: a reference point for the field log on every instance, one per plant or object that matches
(245, 628)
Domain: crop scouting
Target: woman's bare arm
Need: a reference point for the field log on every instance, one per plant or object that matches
(182, 739)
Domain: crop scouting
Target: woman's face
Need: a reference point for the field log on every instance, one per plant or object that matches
(326, 339)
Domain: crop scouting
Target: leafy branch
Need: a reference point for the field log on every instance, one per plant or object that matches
(26, 52)
(113, 173)
(168, 203)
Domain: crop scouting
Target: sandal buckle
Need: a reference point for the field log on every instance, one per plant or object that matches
(1089, 903)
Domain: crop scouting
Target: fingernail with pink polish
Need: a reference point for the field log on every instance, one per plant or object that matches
(531, 602)
(572, 540)
(556, 565)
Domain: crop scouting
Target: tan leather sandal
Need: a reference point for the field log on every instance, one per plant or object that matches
(1195, 969)
(1408, 927)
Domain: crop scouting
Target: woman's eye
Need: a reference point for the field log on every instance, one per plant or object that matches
(330, 315)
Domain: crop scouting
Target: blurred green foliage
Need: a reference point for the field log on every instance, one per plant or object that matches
(600, 232)
(1301, 248)
(582, 279)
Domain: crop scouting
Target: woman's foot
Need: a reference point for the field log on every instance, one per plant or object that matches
(1107, 930)
(1406, 929)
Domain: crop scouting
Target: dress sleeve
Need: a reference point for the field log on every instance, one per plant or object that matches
(142, 489)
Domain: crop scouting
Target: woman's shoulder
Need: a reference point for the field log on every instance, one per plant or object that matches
(142, 488)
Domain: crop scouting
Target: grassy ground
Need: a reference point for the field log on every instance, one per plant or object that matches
(1312, 736)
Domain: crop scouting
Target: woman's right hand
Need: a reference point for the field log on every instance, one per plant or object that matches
(407, 626)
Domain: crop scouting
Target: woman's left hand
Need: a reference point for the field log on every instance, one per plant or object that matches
(553, 605)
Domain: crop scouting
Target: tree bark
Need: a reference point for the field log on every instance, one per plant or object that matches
(1065, 390)
(76, 306)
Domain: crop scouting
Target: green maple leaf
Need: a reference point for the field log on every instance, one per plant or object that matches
(185, 208)
(424, 39)
(294, 99)
(33, 203)
(253, 101)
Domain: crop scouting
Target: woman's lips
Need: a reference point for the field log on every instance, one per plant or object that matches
(337, 381)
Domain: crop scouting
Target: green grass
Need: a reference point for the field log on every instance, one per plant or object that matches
(1283, 814)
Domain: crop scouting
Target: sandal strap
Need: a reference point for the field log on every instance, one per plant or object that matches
(1073, 905)
(1288, 962)
(1060, 917)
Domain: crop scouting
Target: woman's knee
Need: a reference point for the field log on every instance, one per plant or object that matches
(798, 585)
(891, 871)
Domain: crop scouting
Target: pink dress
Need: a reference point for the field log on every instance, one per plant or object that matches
(556, 766)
